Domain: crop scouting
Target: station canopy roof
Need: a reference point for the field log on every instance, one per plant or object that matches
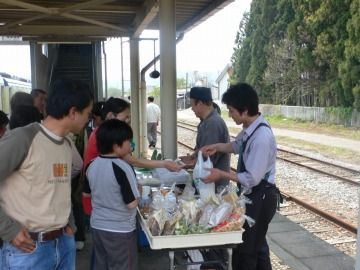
(90, 20)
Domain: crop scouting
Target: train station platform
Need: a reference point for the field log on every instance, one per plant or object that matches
(293, 245)
(301, 250)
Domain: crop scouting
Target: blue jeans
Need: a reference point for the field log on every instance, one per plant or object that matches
(1, 258)
(58, 254)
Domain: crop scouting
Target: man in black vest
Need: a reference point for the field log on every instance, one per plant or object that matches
(255, 174)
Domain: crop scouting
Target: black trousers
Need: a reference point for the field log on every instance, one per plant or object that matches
(253, 253)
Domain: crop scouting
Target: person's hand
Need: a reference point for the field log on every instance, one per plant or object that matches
(69, 230)
(23, 241)
(215, 175)
(189, 160)
(172, 166)
(208, 150)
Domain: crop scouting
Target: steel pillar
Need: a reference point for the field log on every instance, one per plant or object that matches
(135, 96)
(39, 63)
(168, 78)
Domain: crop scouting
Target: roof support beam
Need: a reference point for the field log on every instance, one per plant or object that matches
(211, 9)
(61, 30)
(95, 22)
(26, 6)
(61, 12)
(142, 20)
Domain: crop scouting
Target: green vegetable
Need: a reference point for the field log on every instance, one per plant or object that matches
(154, 155)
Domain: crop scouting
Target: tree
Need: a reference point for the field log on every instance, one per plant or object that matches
(350, 67)
(155, 92)
(180, 83)
(301, 52)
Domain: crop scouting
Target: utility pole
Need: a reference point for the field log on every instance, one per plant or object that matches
(122, 67)
(186, 86)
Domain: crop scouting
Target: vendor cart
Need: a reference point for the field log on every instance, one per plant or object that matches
(174, 243)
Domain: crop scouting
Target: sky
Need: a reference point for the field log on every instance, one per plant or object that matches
(206, 49)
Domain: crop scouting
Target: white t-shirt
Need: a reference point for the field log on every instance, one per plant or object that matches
(153, 112)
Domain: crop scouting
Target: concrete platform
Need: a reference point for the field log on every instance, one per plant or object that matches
(302, 250)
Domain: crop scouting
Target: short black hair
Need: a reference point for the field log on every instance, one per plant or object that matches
(37, 92)
(96, 110)
(65, 94)
(242, 97)
(114, 105)
(24, 115)
(112, 132)
(21, 98)
(4, 120)
(217, 108)
(151, 99)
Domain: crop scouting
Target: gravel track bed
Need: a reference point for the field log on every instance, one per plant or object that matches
(324, 192)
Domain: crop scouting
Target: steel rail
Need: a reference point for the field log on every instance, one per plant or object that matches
(343, 178)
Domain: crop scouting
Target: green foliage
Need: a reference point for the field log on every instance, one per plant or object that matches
(301, 52)
(155, 92)
(114, 92)
(342, 111)
(180, 83)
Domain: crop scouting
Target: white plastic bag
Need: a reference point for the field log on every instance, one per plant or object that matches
(200, 171)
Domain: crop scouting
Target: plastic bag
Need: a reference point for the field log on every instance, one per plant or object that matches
(206, 190)
(168, 177)
(221, 213)
(205, 217)
(201, 166)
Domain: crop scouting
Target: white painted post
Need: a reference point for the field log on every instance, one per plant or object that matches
(168, 78)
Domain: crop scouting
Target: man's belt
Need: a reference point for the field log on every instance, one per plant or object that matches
(47, 236)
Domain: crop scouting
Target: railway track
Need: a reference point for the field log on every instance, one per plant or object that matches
(342, 173)
(338, 221)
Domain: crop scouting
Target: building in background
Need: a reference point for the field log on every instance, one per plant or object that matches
(223, 81)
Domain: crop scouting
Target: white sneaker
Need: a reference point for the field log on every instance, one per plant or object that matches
(79, 245)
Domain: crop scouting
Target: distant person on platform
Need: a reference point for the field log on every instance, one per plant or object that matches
(23, 115)
(153, 118)
(4, 121)
(212, 129)
(39, 96)
(36, 222)
(20, 98)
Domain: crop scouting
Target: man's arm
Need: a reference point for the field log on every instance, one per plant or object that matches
(146, 163)
(14, 147)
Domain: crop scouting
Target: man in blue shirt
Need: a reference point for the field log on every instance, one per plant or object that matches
(255, 173)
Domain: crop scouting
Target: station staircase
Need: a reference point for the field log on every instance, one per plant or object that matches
(76, 62)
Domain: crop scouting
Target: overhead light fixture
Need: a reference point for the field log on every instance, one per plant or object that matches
(154, 74)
